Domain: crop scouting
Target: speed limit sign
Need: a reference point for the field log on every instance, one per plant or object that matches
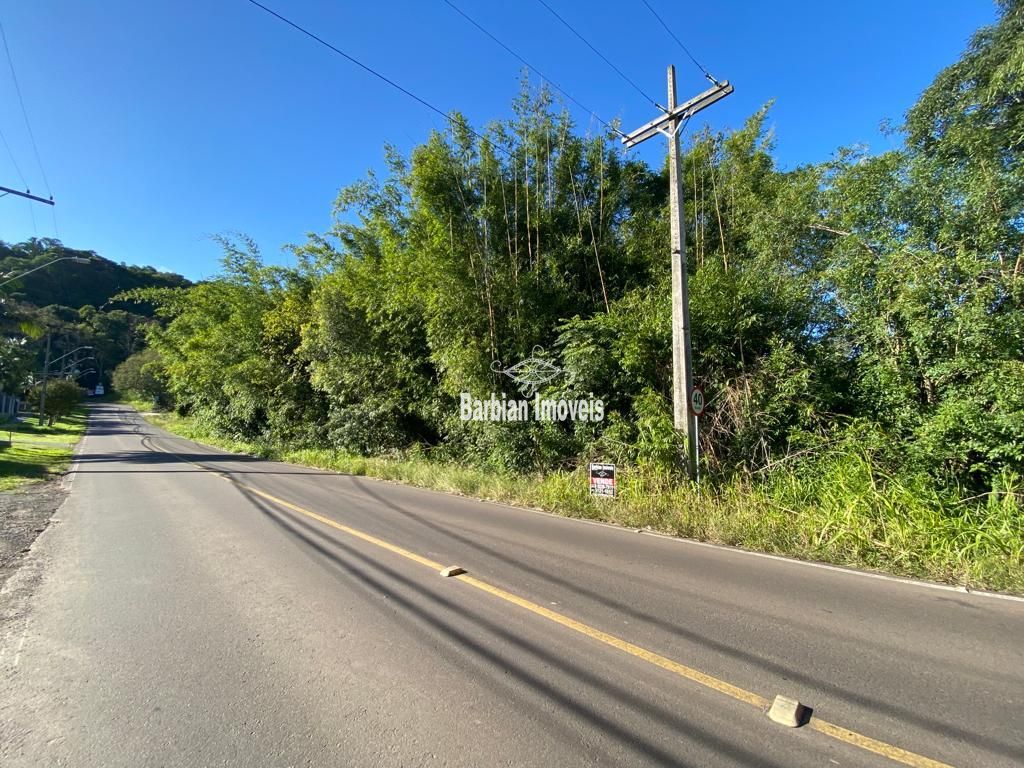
(697, 401)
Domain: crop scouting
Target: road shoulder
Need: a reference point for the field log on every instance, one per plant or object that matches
(24, 514)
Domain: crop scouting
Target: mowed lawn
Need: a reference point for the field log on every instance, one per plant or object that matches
(37, 452)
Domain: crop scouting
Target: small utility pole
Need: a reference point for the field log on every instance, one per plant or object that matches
(46, 377)
(669, 125)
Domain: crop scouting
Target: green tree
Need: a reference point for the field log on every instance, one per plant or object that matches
(926, 267)
(62, 395)
(141, 375)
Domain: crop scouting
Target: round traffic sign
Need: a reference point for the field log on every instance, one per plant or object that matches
(697, 401)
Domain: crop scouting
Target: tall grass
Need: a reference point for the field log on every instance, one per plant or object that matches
(841, 509)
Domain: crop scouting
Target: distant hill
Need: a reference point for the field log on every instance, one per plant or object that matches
(75, 285)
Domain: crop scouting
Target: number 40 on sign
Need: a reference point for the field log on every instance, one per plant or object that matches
(697, 401)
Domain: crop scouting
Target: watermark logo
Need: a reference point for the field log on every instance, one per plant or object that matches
(530, 374)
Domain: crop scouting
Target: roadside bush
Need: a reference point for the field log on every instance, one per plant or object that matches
(141, 375)
(61, 398)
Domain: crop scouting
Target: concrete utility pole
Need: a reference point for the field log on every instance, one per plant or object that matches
(669, 125)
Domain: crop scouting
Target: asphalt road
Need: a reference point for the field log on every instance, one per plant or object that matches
(196, 608)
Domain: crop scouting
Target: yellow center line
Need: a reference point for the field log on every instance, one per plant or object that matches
(615, 642)
(346, 529)
(839, 733)
(873, 745)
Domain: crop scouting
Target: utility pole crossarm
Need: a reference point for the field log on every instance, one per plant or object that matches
(9, 191)
(666, 124)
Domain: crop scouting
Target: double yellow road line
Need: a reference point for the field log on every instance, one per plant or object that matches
(837, 732)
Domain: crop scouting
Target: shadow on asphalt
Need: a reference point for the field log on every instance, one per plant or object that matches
(153, 458)
(785, 673)
(107, 422)
(430, 609)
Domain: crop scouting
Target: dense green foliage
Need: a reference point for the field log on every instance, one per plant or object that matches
(858, 324)
(141, 376)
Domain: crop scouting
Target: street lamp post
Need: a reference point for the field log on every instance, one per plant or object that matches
(46, 363)
(46, 374)
(76, 349)
(76, 259)
(70, 364)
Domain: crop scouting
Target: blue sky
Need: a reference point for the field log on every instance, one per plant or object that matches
(161, 122)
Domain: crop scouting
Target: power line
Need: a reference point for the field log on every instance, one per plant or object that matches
(679, 42)
(13, 161)
(375, 73)
(24, 183)
(602, 56)
(24, 112)
(528, 65)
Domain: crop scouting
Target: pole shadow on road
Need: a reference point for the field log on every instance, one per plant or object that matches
(784, 673)
(457, 643)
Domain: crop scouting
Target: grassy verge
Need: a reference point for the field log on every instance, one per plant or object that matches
(37, 452)
(847, 513)
(142, 406)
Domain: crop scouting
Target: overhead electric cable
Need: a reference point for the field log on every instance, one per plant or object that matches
(14, 162)
(24, 112)
(602, 56)
(528, 65)
(375, 73)
(679, 42)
